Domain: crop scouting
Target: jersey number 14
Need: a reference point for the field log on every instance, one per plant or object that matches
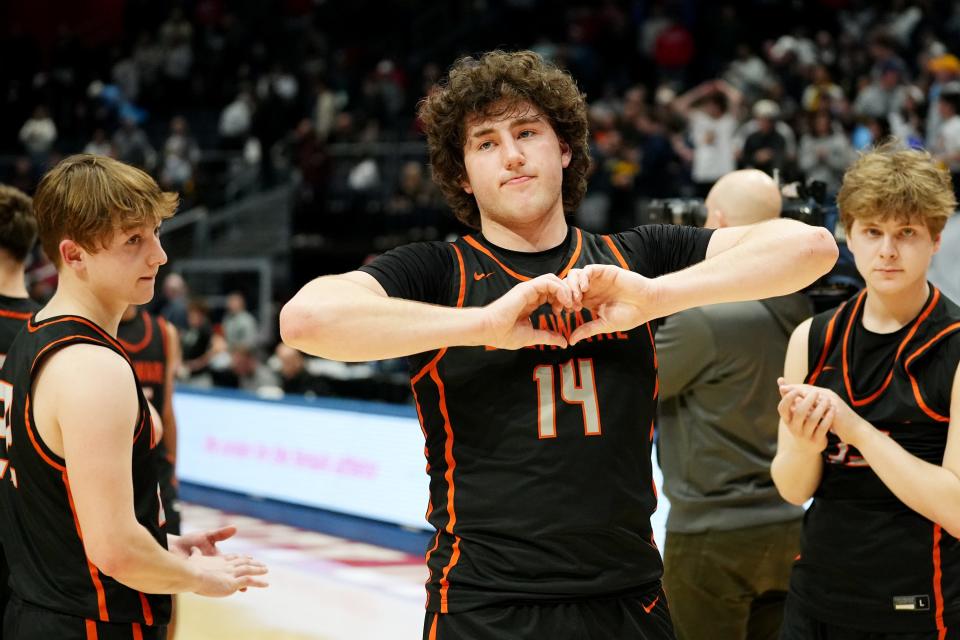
(583, 394)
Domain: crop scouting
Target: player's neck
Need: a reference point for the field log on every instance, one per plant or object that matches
(537, 235)
(12, 281)
(71, 299)
(886, 313)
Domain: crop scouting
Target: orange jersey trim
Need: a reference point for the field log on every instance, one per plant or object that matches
(91, 629)
(36, 444)
(137, 632)
(147, 336)
(463, 276)
(33, 328)
(16, 315)
(573, 259)
(451, 492)
(460, 298)
(616, 252)
(433, 627)
(913, 381)
(147, 611)
(938, 583)
(828, 340)
(479, 247)
(94, 572)
(903, 345)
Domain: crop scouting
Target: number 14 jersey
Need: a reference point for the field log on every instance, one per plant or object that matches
(541, 485)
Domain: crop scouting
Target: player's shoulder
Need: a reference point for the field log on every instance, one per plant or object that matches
(84, 365)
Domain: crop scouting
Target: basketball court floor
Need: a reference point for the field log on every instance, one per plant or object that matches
(321, 587)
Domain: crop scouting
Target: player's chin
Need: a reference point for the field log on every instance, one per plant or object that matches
(143, 293)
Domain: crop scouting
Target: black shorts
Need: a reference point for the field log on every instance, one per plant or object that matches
(627, 618)
(23, 621)
(798, 625)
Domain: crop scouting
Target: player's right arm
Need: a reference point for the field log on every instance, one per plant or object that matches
(85, 405)
(802, 435)
(350, 317)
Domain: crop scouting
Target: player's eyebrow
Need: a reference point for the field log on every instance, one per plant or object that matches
(514, 123)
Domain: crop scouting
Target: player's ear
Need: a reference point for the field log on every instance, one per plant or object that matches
(71, 254)
(465, 184)
(566, 154)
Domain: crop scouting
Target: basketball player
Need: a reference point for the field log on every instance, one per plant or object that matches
(18, 233)
(154, 347)
(80, 513)
(533, 368)
(867, 428)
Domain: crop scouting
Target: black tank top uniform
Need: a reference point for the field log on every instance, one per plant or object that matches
(14, 313)
(144, 338)
(541, 486)
(41, 534)
(868, 561)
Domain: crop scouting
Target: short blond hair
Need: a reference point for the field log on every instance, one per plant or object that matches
(890, 181)
(88, 198)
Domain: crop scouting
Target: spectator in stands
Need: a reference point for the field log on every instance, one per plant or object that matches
(99, 145)
(197, 340)
(825, 152)
(236, 119)
(294, 377)
(246, 371)
(239, 325)
(173, 305)
(822, 94)
(884, 94)
(132, 146)
(180, 155)
(945, 69)
(38, 134)
(711, 112)
(946, 147)
(770, 145)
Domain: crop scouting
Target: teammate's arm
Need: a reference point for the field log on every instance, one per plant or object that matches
(349, 317)
(169, 418)
(89, 393)
(930, 490)
(798, 466)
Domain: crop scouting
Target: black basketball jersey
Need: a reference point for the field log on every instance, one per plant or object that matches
(40, 530)
(541, 486)
(144, 338)
(14, 313)
(868, 561)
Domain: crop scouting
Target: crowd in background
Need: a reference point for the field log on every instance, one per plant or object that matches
(219, 100)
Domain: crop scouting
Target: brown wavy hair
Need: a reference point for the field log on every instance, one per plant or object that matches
(88, 198)
(493, 86)
(891, 181)
(18, 227)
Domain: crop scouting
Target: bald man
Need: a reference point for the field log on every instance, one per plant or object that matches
(731, 539)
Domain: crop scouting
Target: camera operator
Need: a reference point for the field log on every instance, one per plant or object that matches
(731, 539)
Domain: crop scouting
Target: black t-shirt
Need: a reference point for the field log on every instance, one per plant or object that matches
(421, 271)
(541, 484)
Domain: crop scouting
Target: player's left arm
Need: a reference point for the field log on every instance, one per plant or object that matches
(930, 490)
(174, 358)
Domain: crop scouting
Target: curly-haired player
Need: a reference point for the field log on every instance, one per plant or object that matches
(532, 359)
